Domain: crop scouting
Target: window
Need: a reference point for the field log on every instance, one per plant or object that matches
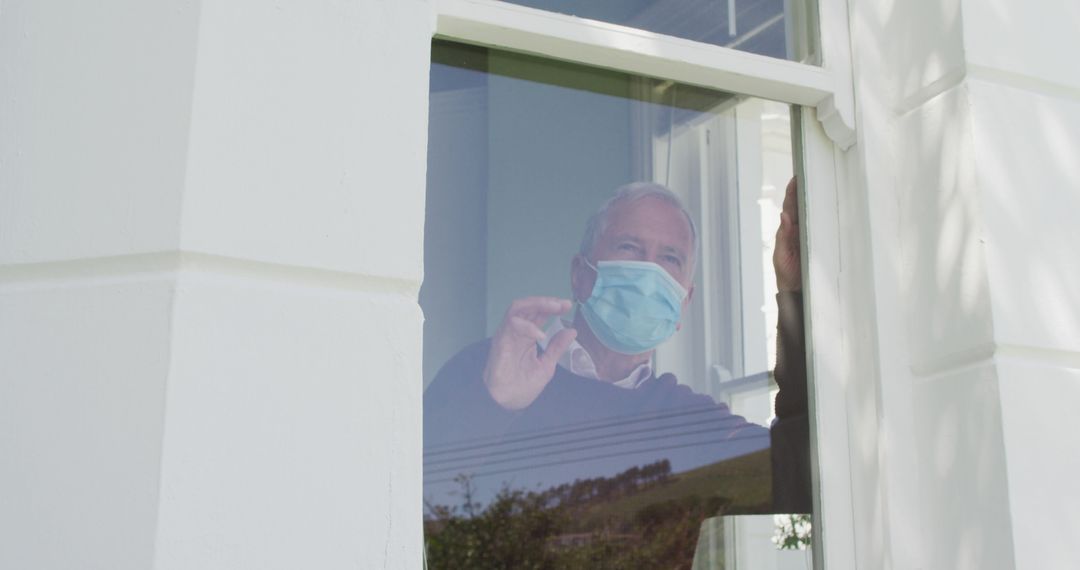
(826, 125)
(776, 28)
(522, 150)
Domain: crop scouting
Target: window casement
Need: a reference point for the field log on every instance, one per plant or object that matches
(824, 115)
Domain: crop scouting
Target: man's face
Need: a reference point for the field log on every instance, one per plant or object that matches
(646, 229)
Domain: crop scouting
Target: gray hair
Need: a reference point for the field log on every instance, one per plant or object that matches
(598, 222)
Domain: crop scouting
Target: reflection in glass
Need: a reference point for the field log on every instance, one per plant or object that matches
(776, 28)
(740, 543)
(602, 465)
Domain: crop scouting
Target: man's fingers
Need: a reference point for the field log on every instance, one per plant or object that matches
(788, 232)
(791, 201)
(558, 345)
(786, 253)
(785, 232)
(538, 309)
(526, 328)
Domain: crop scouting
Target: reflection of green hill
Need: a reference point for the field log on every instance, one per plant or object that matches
(645, 517)
(742, 485)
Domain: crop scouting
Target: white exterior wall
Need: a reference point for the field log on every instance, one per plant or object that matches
(969, 121)
(211, 225)
(210, 251)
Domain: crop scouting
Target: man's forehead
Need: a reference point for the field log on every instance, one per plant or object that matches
(633, 218)
(679, 246)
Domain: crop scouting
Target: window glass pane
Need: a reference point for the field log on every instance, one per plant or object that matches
(776, 28)
(615, 447)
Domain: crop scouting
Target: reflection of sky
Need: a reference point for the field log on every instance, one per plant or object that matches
(758, 24)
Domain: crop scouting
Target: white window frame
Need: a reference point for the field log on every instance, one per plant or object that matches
(828, 90)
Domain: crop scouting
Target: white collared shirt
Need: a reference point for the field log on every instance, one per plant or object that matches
(577, 360)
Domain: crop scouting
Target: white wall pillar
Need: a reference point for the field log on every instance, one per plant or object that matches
(966, 110)
(210, 252)
(95, 122)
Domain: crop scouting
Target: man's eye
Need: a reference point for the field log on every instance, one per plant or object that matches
(673, 260)
(627, 247)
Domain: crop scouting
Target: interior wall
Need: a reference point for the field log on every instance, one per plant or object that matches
(454, 294)
(555, 154)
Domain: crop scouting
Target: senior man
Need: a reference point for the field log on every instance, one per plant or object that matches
(532, 409)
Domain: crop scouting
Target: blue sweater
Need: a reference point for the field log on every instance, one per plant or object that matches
(581, 428)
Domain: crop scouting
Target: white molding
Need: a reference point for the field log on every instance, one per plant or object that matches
(517, 28)
(830, 374)
(837, 112)
(837, 121)
(602, 44)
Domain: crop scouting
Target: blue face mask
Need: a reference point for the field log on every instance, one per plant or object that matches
(634, 306)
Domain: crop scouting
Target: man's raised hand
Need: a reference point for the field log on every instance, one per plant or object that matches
(786, 254)
(516, 372)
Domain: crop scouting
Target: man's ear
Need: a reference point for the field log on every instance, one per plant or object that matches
(582, 278)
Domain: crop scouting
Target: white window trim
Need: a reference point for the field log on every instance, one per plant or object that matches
(828, 89)
(826, 331)
(601, 44)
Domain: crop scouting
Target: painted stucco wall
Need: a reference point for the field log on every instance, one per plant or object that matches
(210, 250)
(969, 121)
(211, 225)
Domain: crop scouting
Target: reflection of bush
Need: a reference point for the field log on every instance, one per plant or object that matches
(518, 530)
(644, 517)
(512, 532)
(656, 515)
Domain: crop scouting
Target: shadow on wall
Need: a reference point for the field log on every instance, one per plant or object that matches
(985, 237)
(972, 186)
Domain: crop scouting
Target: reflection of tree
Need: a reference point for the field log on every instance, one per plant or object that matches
(636, 519)
(512, 532)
